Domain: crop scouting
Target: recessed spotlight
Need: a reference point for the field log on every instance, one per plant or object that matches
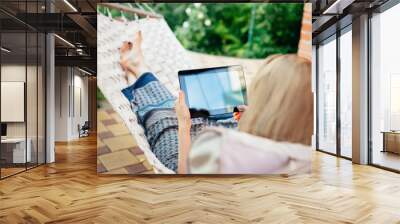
(5, 50)
(64, 40)
(337, 7)
(84, 71)
(70, 5)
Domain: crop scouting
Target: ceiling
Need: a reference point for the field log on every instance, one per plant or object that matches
(23, 48)
(331, 15)
(74, 22)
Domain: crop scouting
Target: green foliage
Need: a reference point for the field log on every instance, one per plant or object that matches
(100, 95)
(252, 30)
(115, 13)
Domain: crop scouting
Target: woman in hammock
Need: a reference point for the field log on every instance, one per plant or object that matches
(280, 110)
(154, 106)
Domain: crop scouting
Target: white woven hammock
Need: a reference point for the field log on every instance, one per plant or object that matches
(163, 54)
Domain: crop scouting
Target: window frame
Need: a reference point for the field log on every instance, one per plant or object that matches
(381, 9)
(27, 29)
(333, 37)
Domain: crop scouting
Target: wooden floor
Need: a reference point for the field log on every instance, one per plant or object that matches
(386, 159)
(70, 191)
(5, 172)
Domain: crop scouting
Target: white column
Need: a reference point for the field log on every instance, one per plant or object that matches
(360, 90)
(50, 92)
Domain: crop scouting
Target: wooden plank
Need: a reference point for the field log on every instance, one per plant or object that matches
(139, 12)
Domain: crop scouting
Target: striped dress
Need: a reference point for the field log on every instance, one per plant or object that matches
(154, 106)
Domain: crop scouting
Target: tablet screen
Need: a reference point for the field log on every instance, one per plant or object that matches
(217, 90)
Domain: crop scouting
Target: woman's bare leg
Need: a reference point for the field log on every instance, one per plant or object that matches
(132, 60)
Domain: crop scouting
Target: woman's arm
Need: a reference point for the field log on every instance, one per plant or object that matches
(184, 125)
(184, 149)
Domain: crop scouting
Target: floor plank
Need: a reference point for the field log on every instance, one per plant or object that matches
(70, 191)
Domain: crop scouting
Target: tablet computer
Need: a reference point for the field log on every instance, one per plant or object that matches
(217, 90)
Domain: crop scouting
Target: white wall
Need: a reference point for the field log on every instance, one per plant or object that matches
(16, 73)
(71, 94)
(62, 81)
(80, 110)
(12, 73)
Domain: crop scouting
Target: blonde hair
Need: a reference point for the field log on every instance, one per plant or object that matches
(280, 105)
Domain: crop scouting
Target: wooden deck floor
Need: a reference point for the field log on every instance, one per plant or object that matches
(70, 191)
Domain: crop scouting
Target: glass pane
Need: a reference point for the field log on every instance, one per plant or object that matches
(386, 89)
(32, 88)
(346, 94)
(327, 97)
(13, 86)
(23, 87)
(314, 83)
(41, 99)
(31, 98)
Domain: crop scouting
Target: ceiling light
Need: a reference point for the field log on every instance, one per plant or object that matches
(338, 6)
(5, 50)
(70, 5)
(84, 71)
(79, 51)
(64, 40)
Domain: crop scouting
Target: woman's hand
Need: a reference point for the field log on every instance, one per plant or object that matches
(184, 124)
(241, 109)
(182, 112)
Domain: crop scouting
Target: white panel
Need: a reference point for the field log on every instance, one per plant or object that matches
(12, 101)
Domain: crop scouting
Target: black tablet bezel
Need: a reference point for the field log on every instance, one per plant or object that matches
(215, 112)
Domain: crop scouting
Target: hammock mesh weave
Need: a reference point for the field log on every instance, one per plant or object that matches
(163, 54)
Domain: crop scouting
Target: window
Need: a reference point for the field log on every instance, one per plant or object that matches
(394, 102)
(22, 75)
(346, 94)
(327, 96)
(385, 89)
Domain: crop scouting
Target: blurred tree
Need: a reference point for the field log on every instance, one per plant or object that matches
(224, 29)
(252, 30)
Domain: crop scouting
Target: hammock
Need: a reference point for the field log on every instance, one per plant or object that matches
(163, 54)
